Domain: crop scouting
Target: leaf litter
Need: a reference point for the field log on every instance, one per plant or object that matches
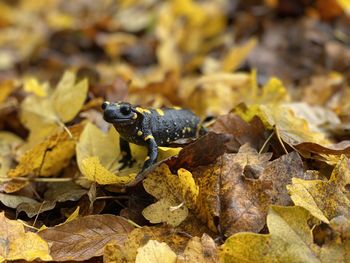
(269, 182)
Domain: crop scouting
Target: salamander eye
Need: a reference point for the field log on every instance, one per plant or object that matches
(125, 110)
(104, 105)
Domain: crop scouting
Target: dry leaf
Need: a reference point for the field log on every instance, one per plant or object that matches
(140, 236)
(201, 250)
(324, 199)
(42, 115)
(17, 244)
(290, 240)
(85, 237)
(156, 252)
(49, 157)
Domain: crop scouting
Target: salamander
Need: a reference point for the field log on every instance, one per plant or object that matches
(150, 128)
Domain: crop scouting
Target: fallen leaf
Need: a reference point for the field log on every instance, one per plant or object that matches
(162, 185)
(201, 250)
(18, 244)
(69, 93)
(290, 240)
(35, 208)
(140, 236)
(156, 252)
(324, 199)
(32, 85)
(6, 88)
(237, 54)
(8, 144)
(49, 157)
(85, 237)
(190, 156)
(244, 197)
(42, 115)
(243, 132)
(13, 201)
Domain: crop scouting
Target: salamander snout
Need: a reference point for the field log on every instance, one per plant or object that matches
(118, 113)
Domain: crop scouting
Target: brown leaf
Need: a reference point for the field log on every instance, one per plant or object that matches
(168, 88)
(191, 156)
(342, 147)
(280, 172)
(244, 200)
(85, 237)
(243, 132)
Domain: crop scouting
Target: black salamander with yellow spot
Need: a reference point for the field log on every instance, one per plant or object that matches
(149, 127)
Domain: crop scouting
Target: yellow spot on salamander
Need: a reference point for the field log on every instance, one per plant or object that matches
(148, 137)
(176, 108)
(147, 158)
(160, 112)
(142, 110)
(134, 116)
(139, 133)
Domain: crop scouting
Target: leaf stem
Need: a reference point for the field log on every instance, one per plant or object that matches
(266, 141)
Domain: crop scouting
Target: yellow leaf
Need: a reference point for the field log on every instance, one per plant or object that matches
(190, 190)
(69, 97)
(73, 216)
(17, 244)
(166, 210)
(38, 116)
(155, 252)
(290, 240)
(6, 88)
(94, 171)
(171, 191)
(237, 54)
(345, 4)
(42, 115)
(324, 199)
(50, 156)
(32, 85)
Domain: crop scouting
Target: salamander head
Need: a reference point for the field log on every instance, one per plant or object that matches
(119, 113)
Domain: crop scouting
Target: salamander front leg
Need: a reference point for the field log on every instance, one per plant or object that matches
(152, 152)
(126, 160)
